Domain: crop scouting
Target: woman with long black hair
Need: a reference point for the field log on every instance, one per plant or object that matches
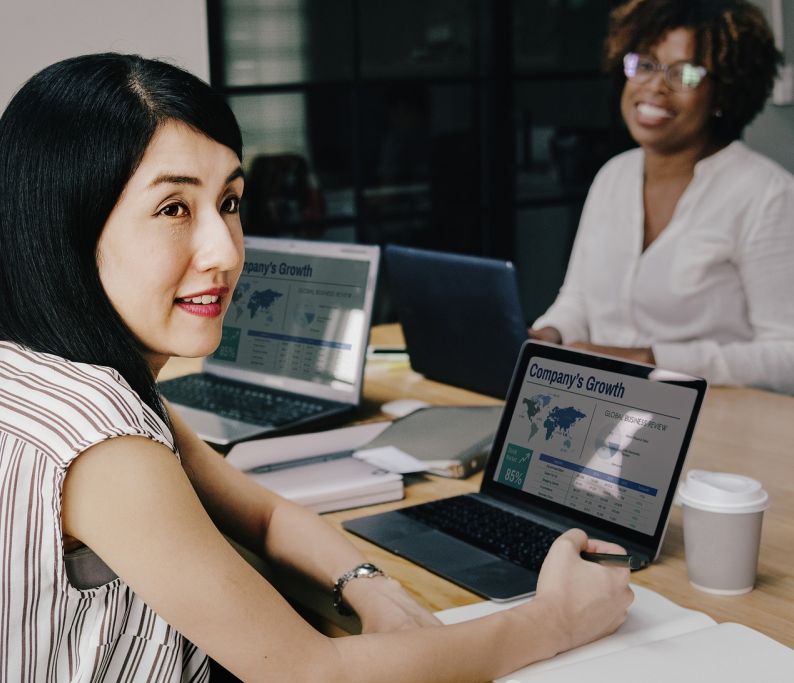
(120, 245)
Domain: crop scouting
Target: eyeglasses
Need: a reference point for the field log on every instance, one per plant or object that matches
(681, 76)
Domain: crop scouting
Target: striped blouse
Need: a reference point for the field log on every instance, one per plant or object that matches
(52, 626)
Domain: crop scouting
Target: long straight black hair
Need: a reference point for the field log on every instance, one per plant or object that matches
(70, 139)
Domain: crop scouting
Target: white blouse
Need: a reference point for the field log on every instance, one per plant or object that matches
(713, 295)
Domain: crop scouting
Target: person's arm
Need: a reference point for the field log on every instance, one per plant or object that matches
(566, 320)
(268, 524)
(129, 500)
(546, 334)
(765, 263)
(637, 354)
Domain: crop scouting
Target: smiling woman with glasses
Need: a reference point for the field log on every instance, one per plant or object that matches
(684, 249)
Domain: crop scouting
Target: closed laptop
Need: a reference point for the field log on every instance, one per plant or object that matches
(461, 316)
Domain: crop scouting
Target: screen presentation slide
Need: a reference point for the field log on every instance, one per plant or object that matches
(598, 442)
(297, 316)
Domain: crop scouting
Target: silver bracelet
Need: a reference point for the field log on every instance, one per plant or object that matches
(366, 570)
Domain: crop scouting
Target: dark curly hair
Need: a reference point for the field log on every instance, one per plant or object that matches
(733, 41)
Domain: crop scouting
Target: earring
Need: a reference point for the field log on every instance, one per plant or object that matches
(718, 113)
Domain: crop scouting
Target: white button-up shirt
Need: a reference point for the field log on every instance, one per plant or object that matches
(713, 294)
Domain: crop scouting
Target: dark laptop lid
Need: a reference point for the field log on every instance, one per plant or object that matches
(594, 441)
(461, 316)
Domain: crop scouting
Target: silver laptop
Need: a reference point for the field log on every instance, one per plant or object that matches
(584, 441)
(293, 346)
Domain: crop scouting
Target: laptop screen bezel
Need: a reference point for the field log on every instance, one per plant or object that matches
(535, 504)
(357, 252)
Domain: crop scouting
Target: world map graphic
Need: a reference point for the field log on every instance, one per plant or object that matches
(553, 420)
(256, 302)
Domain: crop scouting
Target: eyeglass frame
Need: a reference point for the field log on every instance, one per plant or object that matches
(630, 71)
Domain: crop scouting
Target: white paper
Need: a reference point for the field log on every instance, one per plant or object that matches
(724, 653)
(651, 617)
(249, 454)
(392, 459)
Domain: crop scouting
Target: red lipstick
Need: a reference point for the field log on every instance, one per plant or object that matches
(210, 310)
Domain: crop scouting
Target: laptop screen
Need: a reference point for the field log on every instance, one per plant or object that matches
(604, 441)
(300, 315)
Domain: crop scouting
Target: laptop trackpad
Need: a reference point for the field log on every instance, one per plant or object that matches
(440, 552)
(474, 569)
(480, 572)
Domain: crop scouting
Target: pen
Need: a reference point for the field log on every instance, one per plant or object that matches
(628, 560)
(387, 349)
(325, 457)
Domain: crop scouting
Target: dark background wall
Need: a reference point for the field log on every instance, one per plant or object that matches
(463, 125)
(467, 125)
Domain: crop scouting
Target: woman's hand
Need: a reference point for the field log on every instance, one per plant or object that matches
(547, 334)
(636, 354)
(383, 605)
(589, 599)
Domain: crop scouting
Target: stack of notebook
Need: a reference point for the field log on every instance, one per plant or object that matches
(318, 470)
(363, 465)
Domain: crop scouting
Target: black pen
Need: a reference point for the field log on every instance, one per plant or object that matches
(627, 560)
(298, 462)
(387, 349)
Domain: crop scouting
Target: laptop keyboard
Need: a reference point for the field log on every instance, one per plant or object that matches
(239, 401)
(510, 536)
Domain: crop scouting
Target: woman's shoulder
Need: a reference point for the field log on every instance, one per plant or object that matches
(63, 406)
(628, 163)
(618, 181)
(631, 157)
(744, 164)
(65, 381)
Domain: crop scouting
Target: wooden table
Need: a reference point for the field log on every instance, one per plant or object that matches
(740, 430)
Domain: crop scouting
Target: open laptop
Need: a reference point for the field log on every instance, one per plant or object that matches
(584, 441)
(461, 316)
(293, 346)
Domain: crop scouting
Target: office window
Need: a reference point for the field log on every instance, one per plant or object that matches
(438, 123)
(285, 41)
(558, 151)
(416, 38)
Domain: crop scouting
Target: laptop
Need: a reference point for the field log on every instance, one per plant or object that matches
(584, 441)
(293, 346)
(461, 316)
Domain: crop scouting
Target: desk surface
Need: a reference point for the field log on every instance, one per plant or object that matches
(740, 430)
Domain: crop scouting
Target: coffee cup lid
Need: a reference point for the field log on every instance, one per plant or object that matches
(722, 492)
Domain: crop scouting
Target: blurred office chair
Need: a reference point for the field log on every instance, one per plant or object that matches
(282, 197)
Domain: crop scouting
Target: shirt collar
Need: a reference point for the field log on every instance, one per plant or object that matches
(715, 161)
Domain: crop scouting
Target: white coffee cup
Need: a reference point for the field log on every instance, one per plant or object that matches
(722, 530)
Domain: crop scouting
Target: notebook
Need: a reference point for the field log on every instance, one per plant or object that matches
(584, 441)
(293, 346)
(662, 640)
(461, 316)
(318, 470)
(336, 483)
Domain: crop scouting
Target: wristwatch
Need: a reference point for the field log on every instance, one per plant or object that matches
(367, 570)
